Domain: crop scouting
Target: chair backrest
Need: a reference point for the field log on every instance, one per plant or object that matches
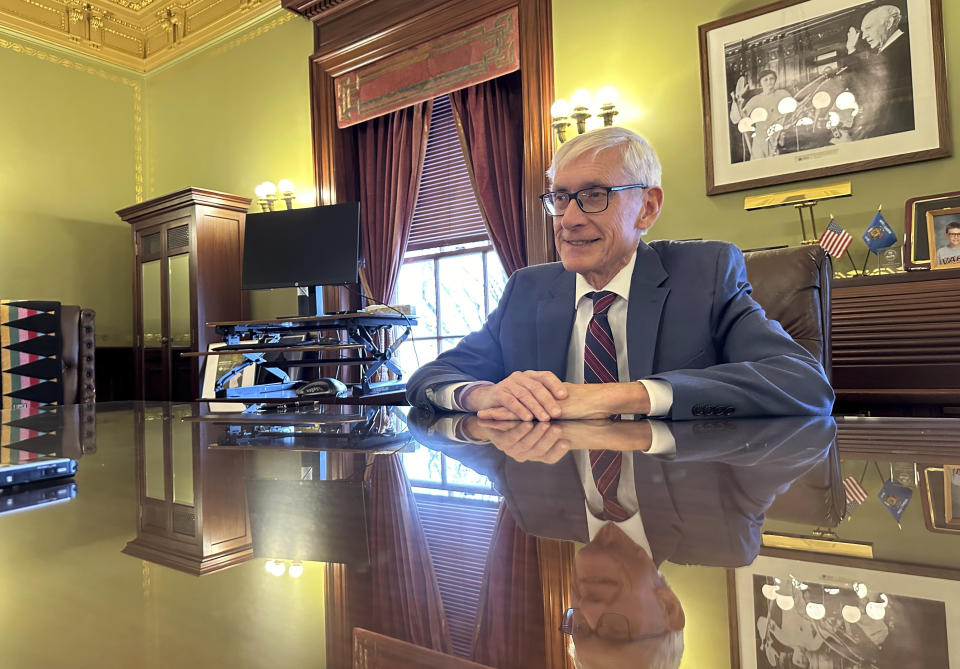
(793, 287)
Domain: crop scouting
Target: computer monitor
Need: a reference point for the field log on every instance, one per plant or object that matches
(317, 246)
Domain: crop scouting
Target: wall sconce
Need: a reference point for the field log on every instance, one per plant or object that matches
(267, 194)
(561, 112)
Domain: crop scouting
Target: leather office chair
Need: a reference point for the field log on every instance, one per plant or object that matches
(793, 287)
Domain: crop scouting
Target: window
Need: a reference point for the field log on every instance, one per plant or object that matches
(450, 272)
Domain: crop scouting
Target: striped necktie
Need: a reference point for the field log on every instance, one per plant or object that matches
(599, 351)
(600, 366)
(606, 472)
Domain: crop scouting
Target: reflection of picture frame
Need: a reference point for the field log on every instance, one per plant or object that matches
(217, 365)
(951, 493)
(940, 223)
(920, 621)
(827, 111)
(940, 493)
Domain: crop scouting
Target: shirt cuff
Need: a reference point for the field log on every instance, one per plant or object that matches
(661, 396)
(443, 396)
(662, 441)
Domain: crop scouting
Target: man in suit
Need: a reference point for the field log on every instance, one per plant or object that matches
(880, 73)
(690, 340)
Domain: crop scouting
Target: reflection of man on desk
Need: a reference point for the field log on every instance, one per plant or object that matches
(704, 504)
(571, 339)
(880, 73)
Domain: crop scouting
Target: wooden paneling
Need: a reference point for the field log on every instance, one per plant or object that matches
(354, 33)
(894, 338)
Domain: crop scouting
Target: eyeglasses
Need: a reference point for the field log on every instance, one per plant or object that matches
(610, 627)
(591, 200)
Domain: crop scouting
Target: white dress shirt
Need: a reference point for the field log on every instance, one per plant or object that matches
(626, 497)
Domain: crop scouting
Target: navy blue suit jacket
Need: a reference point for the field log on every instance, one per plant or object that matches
(690, 321)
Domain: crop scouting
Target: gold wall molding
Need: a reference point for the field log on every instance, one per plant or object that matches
(135, 86)
(140, 35)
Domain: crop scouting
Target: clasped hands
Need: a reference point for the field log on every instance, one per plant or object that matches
(548, 442)
(537, 395)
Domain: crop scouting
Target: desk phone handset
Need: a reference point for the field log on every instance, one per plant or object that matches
(326, 387)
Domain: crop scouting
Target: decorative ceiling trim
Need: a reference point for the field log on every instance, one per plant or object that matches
(135, 87)
(140, 35)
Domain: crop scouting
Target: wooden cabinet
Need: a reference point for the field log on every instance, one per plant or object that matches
(895, 343)
(187, 259)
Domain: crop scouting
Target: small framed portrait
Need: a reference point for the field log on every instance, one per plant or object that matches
(943, 237)
(800, 89)
(916, 248)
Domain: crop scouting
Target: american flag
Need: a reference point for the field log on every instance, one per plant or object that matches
(835, 239)
(855, 493)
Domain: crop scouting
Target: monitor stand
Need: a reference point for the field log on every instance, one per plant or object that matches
(310, 301)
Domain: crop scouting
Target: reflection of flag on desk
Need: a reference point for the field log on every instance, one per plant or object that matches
(855, 493)
(835, 239)
(879, 235)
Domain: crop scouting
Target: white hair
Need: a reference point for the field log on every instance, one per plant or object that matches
(666, 655)
(886, 12)
(639, 159)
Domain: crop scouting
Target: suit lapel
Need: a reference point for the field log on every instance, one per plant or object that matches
(644, 309)
(555, 314)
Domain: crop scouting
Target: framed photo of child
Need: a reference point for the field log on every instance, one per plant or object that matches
(943, 235)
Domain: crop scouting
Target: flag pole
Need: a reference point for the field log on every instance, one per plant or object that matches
(852, 264)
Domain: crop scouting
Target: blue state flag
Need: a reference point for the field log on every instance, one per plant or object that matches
(895, 497)
(879, 235)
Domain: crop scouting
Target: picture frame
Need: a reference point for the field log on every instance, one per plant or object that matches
(921, 613)
(916, 247)
(217, 365)
(940, 492)
(827, 109)
(943, 230)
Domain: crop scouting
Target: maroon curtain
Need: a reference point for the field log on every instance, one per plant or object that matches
(406, 601)
(510, 621)
(491, 117)
(391, 150)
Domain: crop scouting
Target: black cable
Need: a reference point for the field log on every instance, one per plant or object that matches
(406, 318)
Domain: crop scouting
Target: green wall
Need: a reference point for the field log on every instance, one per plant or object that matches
(650, 52)
(67, 162)
(81, 139)
(233, 115)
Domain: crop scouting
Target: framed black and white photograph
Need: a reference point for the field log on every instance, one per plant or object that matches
(216, 367)
(809, 88)
(943, 238)
(843, 612)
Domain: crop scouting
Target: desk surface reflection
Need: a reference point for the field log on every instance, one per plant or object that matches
(381, 537)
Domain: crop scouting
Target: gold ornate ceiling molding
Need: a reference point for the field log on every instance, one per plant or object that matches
(137, 34)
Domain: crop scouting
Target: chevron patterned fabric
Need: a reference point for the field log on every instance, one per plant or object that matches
(31, 371)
